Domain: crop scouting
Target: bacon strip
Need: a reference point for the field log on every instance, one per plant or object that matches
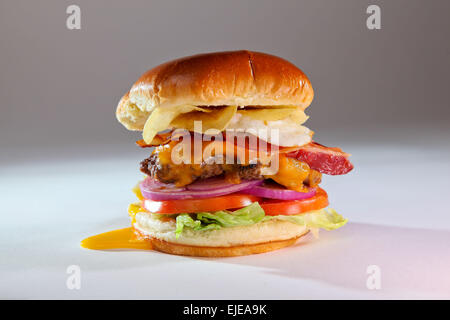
(159, 139)
(332, 161)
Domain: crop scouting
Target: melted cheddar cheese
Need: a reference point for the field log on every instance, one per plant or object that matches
(291, 173)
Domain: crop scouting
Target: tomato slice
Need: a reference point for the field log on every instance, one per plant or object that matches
(231, 201)
(274, 207)
(271, 207)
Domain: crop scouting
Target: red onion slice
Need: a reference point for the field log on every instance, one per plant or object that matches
(153, 184)
(209, 184)
(274, 192)
(202, 189)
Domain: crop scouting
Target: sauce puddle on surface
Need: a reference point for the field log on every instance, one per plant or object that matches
(117, 239)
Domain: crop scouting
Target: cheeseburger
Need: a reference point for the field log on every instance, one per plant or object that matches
(230, 169)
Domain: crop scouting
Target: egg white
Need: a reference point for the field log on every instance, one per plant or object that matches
(285, 133)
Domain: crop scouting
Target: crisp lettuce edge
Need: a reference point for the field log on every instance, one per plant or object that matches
(326, 218)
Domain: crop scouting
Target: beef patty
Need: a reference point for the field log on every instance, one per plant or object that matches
(183, 174)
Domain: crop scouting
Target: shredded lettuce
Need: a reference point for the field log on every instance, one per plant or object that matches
(185, 220)
(243, 217)
(327, 219)
(220, 219)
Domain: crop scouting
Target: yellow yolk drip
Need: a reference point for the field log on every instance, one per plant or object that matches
(122, 238)
(116, 239)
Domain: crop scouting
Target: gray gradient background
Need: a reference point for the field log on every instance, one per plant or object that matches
(59, 88)
(67, 166)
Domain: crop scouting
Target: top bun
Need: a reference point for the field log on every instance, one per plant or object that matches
(240, 78)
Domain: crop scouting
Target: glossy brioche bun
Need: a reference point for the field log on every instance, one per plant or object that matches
(225, 242)
(241, 78)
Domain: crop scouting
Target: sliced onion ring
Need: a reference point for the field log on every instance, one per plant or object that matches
(210, 184)
(155, 190)
(153, 184)
(277, 192)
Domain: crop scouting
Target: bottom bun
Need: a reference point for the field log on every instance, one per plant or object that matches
(242, 250)
(225, 242)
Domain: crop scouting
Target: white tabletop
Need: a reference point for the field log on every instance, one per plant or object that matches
(396, 200)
